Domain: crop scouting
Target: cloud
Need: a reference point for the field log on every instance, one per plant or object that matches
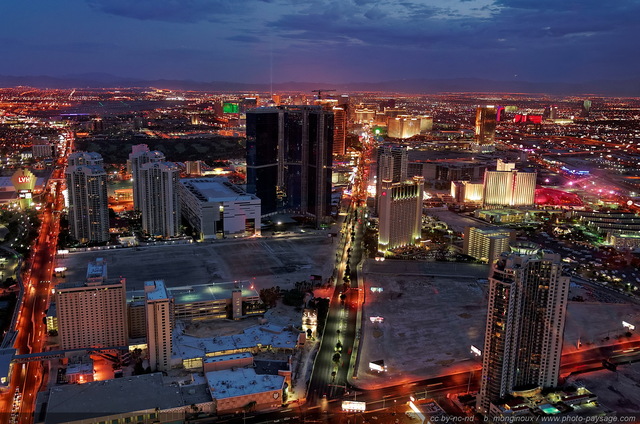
(166, 10)
(245, 38)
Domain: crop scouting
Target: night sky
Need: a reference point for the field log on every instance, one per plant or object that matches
(322, 40)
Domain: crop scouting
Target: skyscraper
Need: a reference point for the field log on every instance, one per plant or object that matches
(340, 130)
(140, 155)
(88, 201)
(159, 324)
(400, 213)
(525, 323)
(485, 137)
(391, 165)
(289, 159)
(160, 203)
(92, 313)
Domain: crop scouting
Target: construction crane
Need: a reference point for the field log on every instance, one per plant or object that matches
(320, 92)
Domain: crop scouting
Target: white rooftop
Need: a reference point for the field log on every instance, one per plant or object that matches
(189, 347)
(155, 290)
(215, 190)
(241, 382)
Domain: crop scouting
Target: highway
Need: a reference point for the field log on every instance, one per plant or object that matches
(26, 379)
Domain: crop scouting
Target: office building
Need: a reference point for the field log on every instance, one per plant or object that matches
(509, 188)
(140, 155)
(525, 323)
(400, 213)
(92, 313)
(160, 204)
(215, 208)
(391, 165)
(486, 244)
(289, 159)
(87, 196)
(159, 322)
(485, 134)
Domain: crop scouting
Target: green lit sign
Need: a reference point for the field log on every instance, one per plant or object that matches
(230, 108)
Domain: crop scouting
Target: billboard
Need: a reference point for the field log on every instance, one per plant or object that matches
(353, 406)
(230, 108)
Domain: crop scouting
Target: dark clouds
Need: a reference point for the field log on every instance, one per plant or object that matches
(332, 40)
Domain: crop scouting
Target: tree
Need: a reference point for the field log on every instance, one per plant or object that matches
(336, 357)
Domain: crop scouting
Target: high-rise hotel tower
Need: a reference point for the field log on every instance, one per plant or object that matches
(88, 201)
(525, 323)
(400, 213)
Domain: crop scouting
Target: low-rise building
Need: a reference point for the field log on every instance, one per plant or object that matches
(236, 389)
(199, 302)
(215, 208)
(138, 399)
(258, 338)
(486, 244)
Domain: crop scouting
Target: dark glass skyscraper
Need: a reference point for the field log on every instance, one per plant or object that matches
(289, 159)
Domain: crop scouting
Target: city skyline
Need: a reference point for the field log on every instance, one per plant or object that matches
(327, 41)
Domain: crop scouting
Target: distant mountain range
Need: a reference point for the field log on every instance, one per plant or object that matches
(428, 86)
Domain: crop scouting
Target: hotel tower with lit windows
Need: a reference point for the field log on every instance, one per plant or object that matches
(525, 323)
(400, 213)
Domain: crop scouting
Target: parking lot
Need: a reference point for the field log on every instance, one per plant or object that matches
(430, 313)
(266, 262)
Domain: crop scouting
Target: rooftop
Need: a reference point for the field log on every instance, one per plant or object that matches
(241, 382)
(200, 292)
(215, 190)
(188, 347)
(102, 398)
(155, 290)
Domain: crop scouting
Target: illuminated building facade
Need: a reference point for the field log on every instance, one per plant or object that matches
(139, 156)
(391, 165)
(92, 313)
(364, 116)
(505, 166)
(289, 159)
(160, 204)
(485, 134)
(525, 323)
(404, 126)
(88, 200)
(194, 168)
(466, 191)
(159, 322)
(486, 244)
(400, 213)
(509, 188)
(340, 130)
